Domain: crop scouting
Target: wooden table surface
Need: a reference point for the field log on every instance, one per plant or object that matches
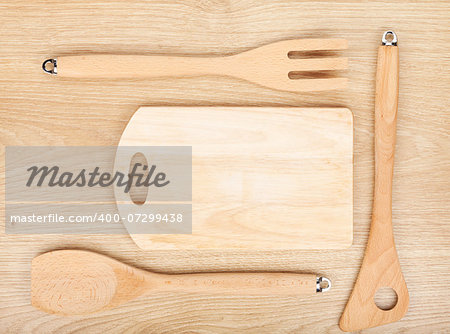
(37, 109)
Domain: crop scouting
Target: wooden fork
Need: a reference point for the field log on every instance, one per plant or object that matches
(270, 65)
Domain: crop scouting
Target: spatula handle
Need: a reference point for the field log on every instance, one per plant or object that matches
(386, 100)
(244, 283)
(137, 66)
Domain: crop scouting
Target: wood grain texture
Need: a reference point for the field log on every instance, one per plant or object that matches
(262, 178)
(36, 110)
(76, 282)
(380, 267)
(269, 65)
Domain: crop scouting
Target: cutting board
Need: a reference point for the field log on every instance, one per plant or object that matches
(262, 178)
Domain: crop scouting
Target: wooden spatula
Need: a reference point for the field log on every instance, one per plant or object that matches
(272, 66)
(380, 267)
(74, 282)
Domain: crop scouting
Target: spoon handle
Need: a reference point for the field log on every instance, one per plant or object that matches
(245, 283)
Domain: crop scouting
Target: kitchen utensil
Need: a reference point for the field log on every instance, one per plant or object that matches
(75, 282)
(262, 178)
(380, 267)
(270, 65)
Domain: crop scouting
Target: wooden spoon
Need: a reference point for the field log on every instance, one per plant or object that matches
(75, 282)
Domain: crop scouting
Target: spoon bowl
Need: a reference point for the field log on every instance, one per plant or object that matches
(81, 282)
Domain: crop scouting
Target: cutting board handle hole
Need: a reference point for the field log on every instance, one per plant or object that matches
(138, 194)
(385, 298)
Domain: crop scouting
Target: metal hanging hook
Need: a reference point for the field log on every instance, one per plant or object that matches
(319, 287)
(385, 41)
(53, 70)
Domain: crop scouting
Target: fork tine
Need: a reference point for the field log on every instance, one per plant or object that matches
(313, 85)
(294, 45)
(270, 65)
(316, 64)
(315, 44)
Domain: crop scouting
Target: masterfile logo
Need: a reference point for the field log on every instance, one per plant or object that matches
(57, 189)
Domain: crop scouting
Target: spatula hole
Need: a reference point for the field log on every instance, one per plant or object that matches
(386, 298)
(139, 194)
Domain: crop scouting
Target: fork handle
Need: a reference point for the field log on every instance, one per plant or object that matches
(139, 66)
